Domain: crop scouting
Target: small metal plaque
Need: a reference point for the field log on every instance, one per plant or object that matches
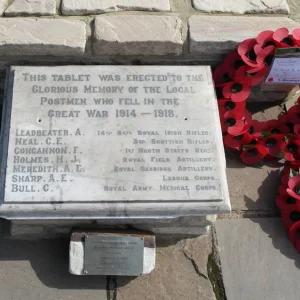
(114, 255)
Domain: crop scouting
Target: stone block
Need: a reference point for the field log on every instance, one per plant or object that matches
(258, 260)
(215, 35)
(35, 270)
(20, 36)
(252, 189)
(138, 35)
(243, 6)
(180, 273)
(4, 227)
(186, 179)
(3, 4)
(20, 230)
(182, 231)
(31, 7)
(37, 229)
(77, 248)
(86, 7)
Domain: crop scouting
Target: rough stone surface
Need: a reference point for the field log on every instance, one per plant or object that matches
(31, 7)
(185, 231)
(36, 229)
(257, 95)
(24, 231)
(16, 229)
(258, 261)
(295, 9)
(178, 222)
(214, 35)
(3, 4)
(84, 7)
(35, 270)
(180, 273)
(42, 37)
(243, 6)
(48, 232)
(43, 266)
(138, 35)
(254, 189)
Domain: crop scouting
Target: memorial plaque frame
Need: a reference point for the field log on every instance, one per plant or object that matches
(100, 259)
(118, 208)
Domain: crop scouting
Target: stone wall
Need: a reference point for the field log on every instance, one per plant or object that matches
(55, 32)
(132, 31)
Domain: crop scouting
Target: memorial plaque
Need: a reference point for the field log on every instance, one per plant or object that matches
(111, 141)
(113, 255)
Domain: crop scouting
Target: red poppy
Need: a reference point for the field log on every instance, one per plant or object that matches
(257, 55)
(253, 155)
(257, 128)
(236, 142)
(284, 200)
(228, 105)
(286, 174)
(246, 50)
(296, 36)
(297, 130)
(233, 61)
(231, 119)
(223, 75)
(276, 127)
(293, 114)
(295, 109)
(294, 235)
(264, 57)
(285, 179)
(273, 143)
(246, 46)
(236, 122)
(294, 187)
(288, 122)
(290, 215)
(237, 92)
(292, 150)
(219, 92)
(283, 39)
(265, 38)
(282, 190)
(295, 163)
(245, 75)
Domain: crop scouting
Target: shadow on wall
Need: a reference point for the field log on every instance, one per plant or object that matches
(276, 231)
(258, 109)
(267, 192)
(49, 260)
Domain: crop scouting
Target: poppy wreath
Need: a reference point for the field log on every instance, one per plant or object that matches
(256, 141)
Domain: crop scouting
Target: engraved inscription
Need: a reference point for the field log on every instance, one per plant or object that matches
(110, 133)
(114, 255)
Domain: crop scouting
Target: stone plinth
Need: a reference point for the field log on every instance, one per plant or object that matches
(111, 143)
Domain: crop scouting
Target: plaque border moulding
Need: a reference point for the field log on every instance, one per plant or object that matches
(106, 209)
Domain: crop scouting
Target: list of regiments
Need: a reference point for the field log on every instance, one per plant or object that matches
(107, 133)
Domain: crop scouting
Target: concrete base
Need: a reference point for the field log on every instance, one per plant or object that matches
(183, 226)
(258, 261)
